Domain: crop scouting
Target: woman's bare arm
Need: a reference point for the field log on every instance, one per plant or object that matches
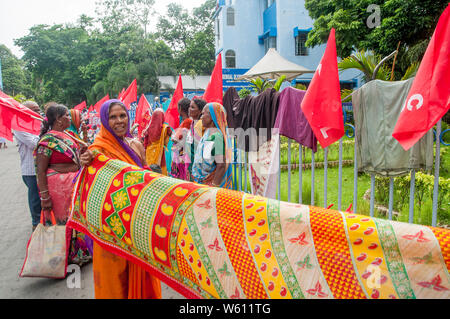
(41, 174)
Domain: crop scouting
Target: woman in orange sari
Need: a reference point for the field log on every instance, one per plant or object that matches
(114, 276)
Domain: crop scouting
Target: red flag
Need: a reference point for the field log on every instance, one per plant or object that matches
(99, 104)
(322, 104)
(172, 117)
(130, 95)
(141, 111)
(80, 106)
(121, 94)
(15, 116)
(429, 97)
(91, 108)
(214, 90)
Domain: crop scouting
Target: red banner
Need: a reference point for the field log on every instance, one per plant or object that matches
(429, 97)
(322, 104)
(15, 116)
(214, 90)
(172, 117)
(130, 95)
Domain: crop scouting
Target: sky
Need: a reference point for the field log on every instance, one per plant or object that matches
(18, 16)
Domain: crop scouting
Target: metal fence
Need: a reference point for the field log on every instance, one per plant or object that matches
(242, 175)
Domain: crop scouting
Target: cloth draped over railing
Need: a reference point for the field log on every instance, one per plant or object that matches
(215, 243)
(377, 106)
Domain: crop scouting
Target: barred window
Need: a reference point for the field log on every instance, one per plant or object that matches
(230, 59)
(300, 44)
(230, 16)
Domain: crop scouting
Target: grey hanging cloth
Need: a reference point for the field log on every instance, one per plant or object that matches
(377, 106)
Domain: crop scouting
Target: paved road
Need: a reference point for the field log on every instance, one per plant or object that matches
(15, 230)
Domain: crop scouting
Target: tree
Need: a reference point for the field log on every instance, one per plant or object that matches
(53, 55)
(116, 14)
(409, 22)
(190, 35)
(16, 80)
(373, 66)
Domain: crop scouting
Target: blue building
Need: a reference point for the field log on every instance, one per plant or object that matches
(246, 29)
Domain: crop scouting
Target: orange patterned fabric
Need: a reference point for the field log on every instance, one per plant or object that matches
(444, 243)
(333, 254)
(229, 219)
(225, 244)
(185, 269)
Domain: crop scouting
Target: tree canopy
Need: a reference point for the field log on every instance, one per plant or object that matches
(410, 23)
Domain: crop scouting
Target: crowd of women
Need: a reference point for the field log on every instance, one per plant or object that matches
(201, 153)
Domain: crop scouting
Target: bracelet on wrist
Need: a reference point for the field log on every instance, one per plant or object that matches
(44, 199)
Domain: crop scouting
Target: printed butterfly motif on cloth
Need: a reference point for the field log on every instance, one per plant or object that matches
(250, 246)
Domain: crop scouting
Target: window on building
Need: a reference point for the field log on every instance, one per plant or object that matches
(218, 29)
(230, 59)
(230, 16)
(300, 44)
(270, 42)
(268, 3)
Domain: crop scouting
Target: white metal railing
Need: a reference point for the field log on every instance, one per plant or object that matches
(242, 175)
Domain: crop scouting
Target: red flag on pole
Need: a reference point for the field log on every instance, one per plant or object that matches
(214, 90)
(80, 106)
(99, 104)
(130, 95)
(119, 97)
(429, 97)
(15, 116)
(322, 104)
(141, 111)
(172, 117)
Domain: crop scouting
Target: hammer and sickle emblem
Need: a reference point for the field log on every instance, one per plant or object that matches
(319, 68)
(415, 97)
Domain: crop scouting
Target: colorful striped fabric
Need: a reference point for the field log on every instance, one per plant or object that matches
(208, 242)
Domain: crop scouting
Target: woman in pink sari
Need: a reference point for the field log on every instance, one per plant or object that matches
(57, 158)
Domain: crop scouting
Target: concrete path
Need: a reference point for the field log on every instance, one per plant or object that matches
(15, 230)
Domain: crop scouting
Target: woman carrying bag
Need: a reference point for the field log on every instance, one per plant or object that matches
(57, 157)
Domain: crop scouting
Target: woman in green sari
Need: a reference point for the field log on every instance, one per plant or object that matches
(213, 157)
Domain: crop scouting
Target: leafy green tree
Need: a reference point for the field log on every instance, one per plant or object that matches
(410, 22)
(114, 14)
(53, 54)
(373, 66)
(16, 79)
(191, 36)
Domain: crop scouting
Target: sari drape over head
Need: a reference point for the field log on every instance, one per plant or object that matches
(75, 123)
(203, 168)
(155, 140)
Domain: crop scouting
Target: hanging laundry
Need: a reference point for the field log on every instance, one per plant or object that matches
(291, 121)
(253, 115)
(253, 119)
(377, 106)
(264, 168)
